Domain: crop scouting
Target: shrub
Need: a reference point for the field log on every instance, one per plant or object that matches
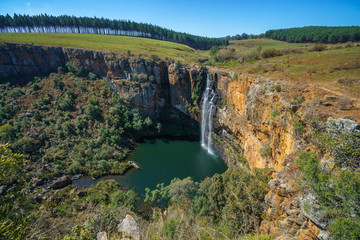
(270, 52)
(64, 104)
(213, 50)
(15, 93)
(75, 67)
(336, 192)
(37, 79)
(298, 100)
(93, 101)
(169, 229)
(92, 76)
(121, 198)
(317, 47)
(274, 112)
(35, 87)
(42, 103)
(345, 228)
(299, 129)
(278, 88)
(93, 112)
(155, 57)
(265, 149)
(58, 84)
(38, 116)
(349, 45)
(69, 128)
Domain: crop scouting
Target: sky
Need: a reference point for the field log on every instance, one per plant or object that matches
(205, 18)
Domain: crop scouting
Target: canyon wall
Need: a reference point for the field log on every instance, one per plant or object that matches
(255, 122)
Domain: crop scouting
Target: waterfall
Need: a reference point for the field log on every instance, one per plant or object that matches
(206, 116)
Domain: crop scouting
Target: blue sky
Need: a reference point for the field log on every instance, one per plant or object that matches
(206, 18)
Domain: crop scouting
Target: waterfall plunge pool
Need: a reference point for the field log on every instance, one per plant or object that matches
(160, 161)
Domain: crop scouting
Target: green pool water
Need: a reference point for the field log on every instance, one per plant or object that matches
(162, 160)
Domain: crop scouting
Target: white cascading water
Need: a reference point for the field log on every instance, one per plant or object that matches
(206, 117)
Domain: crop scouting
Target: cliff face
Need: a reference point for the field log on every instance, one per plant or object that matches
(244, 109)
(254, 122)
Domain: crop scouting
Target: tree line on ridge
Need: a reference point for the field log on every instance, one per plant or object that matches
(92, 25)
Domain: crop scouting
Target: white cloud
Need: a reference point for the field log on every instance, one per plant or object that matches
(28, 4)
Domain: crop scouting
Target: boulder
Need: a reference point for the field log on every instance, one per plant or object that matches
(323, 235)
(76, 177)
(101, 236)
(29, 114)
(342, 125)
(38, 182)
(310, 209)
(61, 182)
(129, 228)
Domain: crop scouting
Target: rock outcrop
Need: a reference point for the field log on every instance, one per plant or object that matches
(101, 236)
(129, 228)
(61, 182)
(342, 125)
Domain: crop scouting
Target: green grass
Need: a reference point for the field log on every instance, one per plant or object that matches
(302, 64)
(253, 44)
(119, 44)
(324, 68)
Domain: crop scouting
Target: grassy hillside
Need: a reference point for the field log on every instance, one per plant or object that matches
(334, 66)
(119, 44)
(253, 44)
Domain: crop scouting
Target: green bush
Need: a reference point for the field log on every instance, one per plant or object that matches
(92, 76)
(345, 228)
(76, 67)
(233, 199)
(278, 88)
(298, 100)
(35, 87)
(57, 83)
(344, 147)
(169, 229)
(274, 112)
(299, 129)
(69, 128)
(336, 192)
(92, 110)
(265, 149)
(121, 198)
(38, 116)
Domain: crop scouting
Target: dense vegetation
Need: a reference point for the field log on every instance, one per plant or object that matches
(28, 213)
(244, 36)
(70, 122)
(228, 204)
(316, 34)
(71, 24)
(336, 182)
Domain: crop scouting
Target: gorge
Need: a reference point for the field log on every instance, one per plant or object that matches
(250, 121)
